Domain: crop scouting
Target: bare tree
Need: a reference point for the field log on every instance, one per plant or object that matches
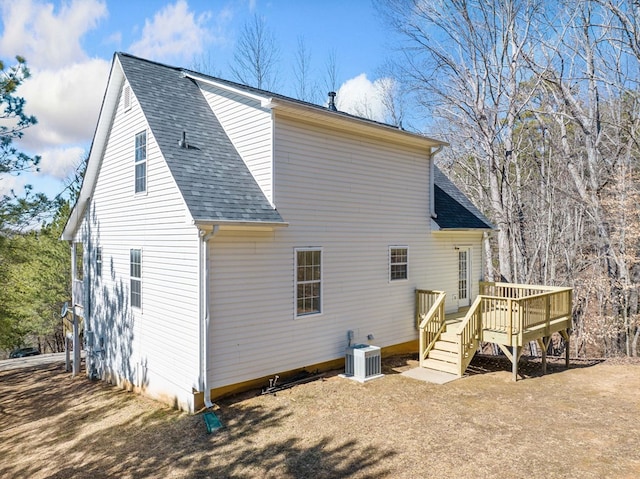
(256, 55)
(331, 71)
(305, 88)
(466, 61)
(392, 98)
(204, 63)
(543, 103)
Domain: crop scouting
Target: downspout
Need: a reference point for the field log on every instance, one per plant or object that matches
(87, 291)
(204, 312)
(432, 189)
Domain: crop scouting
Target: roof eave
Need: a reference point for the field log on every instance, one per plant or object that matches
(240, 223)
(312, 111)
(452, 230)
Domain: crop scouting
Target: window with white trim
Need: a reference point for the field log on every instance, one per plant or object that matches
(79, 252)
(308, 281)
(141, 162)
(98, 261)
(135, 275)
(398, 263)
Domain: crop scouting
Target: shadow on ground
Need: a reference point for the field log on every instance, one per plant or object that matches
(528, 366)
(80, 428)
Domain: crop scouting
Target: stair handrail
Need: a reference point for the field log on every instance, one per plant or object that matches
(469, 333)
(432, 325)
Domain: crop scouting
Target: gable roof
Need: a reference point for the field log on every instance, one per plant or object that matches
(212, 177)
(453, 209)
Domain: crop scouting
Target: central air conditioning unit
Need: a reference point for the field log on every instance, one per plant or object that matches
(363, 362)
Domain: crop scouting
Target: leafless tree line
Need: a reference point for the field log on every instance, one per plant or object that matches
(541, 101)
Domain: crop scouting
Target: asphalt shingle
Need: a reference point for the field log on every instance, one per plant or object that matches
(212, 177)
(453, 208)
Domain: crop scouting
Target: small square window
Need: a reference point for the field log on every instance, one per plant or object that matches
(398, 263)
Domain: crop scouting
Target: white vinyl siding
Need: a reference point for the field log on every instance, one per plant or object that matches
(334, 190)
(249, 127)
(157, 350)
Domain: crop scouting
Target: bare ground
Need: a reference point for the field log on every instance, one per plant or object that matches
(580, 423)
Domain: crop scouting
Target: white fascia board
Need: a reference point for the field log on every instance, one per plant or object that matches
(462, 230)
(264, 101)
(98, 145)
(228, 224)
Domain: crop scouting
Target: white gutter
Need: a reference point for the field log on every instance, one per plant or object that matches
(218, 223)
(432, 188)
(204, 312)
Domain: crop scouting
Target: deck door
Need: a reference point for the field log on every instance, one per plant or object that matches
(464, 276)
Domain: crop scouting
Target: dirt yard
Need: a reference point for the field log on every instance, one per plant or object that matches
(580, 423)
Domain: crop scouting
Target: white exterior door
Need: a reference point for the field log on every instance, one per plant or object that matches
(464, 276)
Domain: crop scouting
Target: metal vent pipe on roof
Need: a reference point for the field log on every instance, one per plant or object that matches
(182, 143)
(332, 101)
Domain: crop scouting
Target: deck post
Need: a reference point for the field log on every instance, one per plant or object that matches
(544, 354)
(566, 351)
(514, 360)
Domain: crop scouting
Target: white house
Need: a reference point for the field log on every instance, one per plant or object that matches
(224, 234)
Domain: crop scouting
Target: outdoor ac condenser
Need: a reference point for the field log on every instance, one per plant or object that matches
(363, 362)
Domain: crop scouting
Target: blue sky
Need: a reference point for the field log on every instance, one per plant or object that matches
(69, 46)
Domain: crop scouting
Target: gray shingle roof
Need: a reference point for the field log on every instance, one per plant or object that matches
(212, 177)
(453, 208)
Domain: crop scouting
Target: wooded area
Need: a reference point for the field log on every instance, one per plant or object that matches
(34, 263)
(540, 103)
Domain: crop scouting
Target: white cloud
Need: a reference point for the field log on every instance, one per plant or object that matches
(359, 96)
(10, 182)
(66, 103)
(114, 39)
(47, 38)
(60, 162)
(174, 33)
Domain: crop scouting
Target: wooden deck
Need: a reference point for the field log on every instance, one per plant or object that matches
(505, 314)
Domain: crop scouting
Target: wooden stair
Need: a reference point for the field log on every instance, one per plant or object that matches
(444, 355)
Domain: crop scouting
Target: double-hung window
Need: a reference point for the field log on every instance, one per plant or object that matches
(98, 261)
(398, 263)
(141, 162)
(308, 281)
(135, 275)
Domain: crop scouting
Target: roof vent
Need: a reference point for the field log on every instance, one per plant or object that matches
(182, 143)
(332, 101)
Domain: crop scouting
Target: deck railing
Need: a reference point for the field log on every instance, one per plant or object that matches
(510, 314)
(469, 333)
(513, 309)
(429, 318)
